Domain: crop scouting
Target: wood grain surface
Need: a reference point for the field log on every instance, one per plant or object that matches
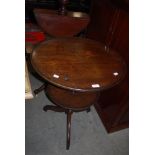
(70, 99)
(61, 25)
(78, 64)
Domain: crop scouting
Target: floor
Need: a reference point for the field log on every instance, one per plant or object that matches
(45, 132)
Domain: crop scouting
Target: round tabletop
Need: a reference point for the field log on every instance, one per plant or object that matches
(78, 64)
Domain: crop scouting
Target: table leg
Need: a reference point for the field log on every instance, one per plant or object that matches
(69, 115)
(38, 90)
(54, 108)
(88, 110)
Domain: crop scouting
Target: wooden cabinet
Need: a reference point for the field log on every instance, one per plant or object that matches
(110, 25)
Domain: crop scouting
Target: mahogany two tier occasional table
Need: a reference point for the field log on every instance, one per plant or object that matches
(76, 70)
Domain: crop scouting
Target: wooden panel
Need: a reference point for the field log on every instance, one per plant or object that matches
(101, 16)
(120, 39)
(110, 25)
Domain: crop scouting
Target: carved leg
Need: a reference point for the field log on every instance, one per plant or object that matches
(53, 108)
(69, 115)
(42, 87)
(88, 110)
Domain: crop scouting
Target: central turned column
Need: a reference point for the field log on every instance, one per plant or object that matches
(62, 9)
(69, 101)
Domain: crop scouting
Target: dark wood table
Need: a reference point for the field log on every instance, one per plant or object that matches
(76, 70)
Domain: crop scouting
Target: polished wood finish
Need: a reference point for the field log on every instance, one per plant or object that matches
(76, 5)
(80, 63)
(69, 115)
(110, 25)
(57, 108)
(38, 90)
(76, 70)
(61, 25)
(54, 108)
(71, 99)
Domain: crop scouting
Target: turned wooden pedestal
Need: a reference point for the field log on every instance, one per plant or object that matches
(69, 101)
(76, 70)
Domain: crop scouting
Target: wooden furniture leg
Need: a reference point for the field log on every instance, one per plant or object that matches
(88, 110)
(41, 88)
(69, 115)
(54, 108)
